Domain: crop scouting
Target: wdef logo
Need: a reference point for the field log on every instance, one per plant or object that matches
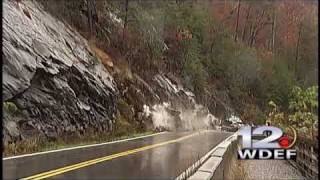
(260, 144)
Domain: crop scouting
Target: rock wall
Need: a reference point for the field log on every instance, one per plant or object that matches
(54, 85)
(51, 77)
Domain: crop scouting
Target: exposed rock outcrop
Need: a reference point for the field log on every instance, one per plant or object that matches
(54, 85)
(52, 77)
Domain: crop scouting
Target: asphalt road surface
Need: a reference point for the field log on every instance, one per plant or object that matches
(161, 156)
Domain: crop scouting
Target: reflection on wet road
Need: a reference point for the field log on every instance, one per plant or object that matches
(157, 157)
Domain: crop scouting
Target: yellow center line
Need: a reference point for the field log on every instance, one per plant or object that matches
(102, 159)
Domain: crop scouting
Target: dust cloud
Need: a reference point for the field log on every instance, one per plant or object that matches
(164, 116)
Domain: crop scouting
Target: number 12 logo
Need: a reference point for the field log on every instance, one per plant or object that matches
(274, 141)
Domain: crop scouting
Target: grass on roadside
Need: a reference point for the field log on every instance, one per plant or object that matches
(123, 129)
(38, 145)
(236, 169)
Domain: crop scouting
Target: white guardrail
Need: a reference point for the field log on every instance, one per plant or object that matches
(209, 166)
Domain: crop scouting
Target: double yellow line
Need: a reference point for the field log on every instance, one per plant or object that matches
(102, 159)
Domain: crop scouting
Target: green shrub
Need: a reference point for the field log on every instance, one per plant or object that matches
(304, 107)
(10, 108)
(123, 127)
(302, 114)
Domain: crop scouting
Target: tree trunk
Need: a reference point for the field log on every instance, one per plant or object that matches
(125, 19)
(273, 30)
(257, 27)
(312, 134)
(245, 25)
(91, 13)
(237, 23)
(297, 48)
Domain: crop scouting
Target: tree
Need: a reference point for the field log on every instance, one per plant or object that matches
(92, 15)
(304, 105)
(297, 48)
(275, 116)
(237, 22)
(246, 22)
(273, 30)
(125, 18)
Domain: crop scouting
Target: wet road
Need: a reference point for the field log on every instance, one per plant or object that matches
(162, 156)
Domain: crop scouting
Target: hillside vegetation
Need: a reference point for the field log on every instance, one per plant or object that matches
(244, 53)
(255, 60)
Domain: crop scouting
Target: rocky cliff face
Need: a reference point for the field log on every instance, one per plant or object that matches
(52, 77)
(54, 85)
